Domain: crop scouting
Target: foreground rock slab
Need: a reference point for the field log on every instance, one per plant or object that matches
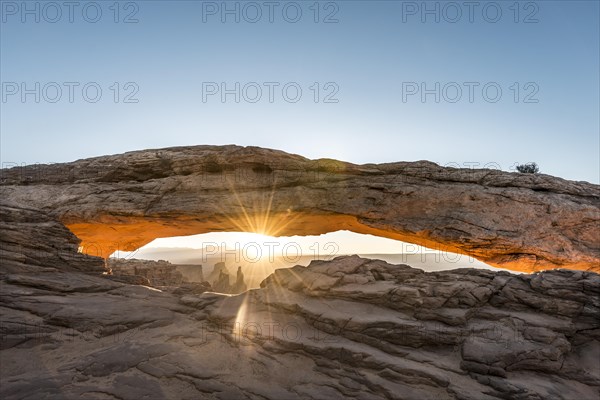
(346, 328)
(524, 222)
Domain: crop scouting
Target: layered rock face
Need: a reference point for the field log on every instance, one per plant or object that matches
(221, 282)
(32, 241)
(347, 328)
(158, 273)
(525, 222)
(191, 272)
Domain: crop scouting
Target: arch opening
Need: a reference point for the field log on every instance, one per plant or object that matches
(104, 235)
(233, 262)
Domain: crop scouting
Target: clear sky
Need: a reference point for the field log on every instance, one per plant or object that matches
(258, 251)
(330, 244)
(373, 57)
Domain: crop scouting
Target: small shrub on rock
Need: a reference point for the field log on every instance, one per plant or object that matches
(531, 168)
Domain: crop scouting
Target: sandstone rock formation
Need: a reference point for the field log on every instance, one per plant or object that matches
(158, 273)
(350, 328)
(347, 328)
(32, 241)
(191, 272)
(240, 284)
(220, 280)
(219, 269)
(222, 284)
(525, 222)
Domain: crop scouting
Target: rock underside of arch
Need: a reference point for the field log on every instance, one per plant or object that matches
(523, 222)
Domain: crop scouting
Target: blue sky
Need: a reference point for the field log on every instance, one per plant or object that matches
(371, 57)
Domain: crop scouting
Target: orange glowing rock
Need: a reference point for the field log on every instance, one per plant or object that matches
(524, 222)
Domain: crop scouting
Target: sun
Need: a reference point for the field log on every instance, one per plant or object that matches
(254, 247)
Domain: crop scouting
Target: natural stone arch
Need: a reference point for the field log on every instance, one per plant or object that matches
(519, 221)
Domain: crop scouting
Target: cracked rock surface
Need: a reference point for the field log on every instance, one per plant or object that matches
(349, 328)
(524, 222)
(346, 328)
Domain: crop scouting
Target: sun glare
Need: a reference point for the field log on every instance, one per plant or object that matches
(341, 242)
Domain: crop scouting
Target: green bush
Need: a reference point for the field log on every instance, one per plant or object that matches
(531, 168)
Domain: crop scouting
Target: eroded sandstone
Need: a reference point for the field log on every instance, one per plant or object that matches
(158, 273)
(525, 222)
(346, 328)
(32, 241)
